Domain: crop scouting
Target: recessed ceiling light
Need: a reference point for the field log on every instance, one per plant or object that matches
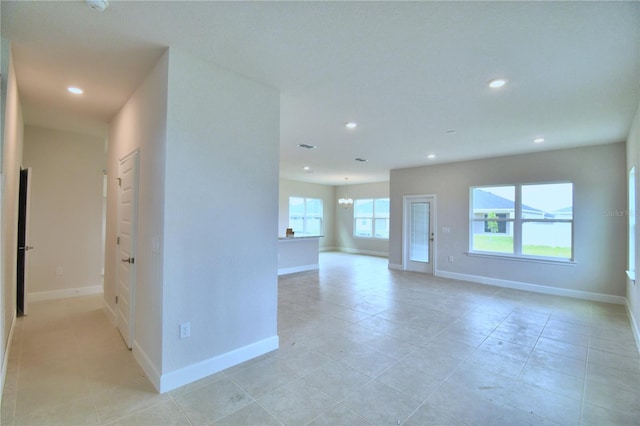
(75, 90)
(307, 168)
(496, 83)
(307, 146)
(361, 160)
(538, 140)
(431, 156)
(351, 125)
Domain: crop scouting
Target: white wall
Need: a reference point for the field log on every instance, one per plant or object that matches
(65, 224)
(141, 125)
(11, 160)
(598, 174)
(291, 188)
(633, 288)
(345, 241)
(221, 218)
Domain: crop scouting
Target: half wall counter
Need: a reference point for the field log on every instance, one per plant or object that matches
(298, 254)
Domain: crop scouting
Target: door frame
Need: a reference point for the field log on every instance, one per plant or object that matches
(132, 284)
(406, 201)
(26, 222)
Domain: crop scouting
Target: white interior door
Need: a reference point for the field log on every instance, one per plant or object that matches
(125, 268)
(418, 233)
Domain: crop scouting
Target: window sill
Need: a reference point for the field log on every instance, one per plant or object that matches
(564, 262)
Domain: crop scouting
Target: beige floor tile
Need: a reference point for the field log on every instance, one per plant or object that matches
(296, 403)
(364, 344)
(545, 404)
(379, 404)
(263, 377)
(410, 380)
(116, 403)
(77, 412)
(252, 414)
(339, 415)
(427, 415)
(163, 414)
(213, 402)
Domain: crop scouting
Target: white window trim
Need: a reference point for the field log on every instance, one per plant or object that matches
(372, 218)
(517, 221)
(304, 217)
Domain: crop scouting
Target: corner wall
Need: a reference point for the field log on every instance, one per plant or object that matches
(633, 287)
(141, 125)
(220, 220)
(598, 174)
(9, 189)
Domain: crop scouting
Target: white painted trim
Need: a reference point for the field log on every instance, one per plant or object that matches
(65, 293)
(110, 313)
(145, 362)
(634, 325)
(396, 266)
(365, 252)
(294, 269)
(218, 363)
(536, 288)
(433, 227)
(7, 351)
(323, 249)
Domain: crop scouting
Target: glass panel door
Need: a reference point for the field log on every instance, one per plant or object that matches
(419, 232)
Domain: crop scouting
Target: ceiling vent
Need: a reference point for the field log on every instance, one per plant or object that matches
(362, 160)
(304, 145)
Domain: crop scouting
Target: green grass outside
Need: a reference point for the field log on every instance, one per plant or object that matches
(504, 244)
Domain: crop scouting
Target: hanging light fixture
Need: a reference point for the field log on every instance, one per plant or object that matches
(346, 202)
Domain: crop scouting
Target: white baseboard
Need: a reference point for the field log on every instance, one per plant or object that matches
(366, 252)
(39, 296)
(205, 368)
(323, 249)
(109, 312)
(536, 288)
(145, 362)
(396, 266)
(7, 351)
(293, 270)
(634, 325)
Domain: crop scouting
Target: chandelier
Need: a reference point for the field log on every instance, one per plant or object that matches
(346, 202)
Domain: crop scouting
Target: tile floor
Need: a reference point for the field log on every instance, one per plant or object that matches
(360, 344)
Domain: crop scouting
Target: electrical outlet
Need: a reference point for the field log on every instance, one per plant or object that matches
(185, 330)
(451, 259)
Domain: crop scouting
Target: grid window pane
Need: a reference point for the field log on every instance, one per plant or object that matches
(547, 239)
(547, 201)
(305, 215)
(371, 218)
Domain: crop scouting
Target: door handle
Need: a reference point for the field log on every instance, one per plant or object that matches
(128, 260)
(26, 248)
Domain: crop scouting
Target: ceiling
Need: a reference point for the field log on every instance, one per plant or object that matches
(413, 75)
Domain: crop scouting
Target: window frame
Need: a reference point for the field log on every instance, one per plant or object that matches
(518, 221)
(305, 217)
(372, 218)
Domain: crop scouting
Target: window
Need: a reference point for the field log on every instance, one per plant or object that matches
(305, 215)
(371, 218)
(529, 220)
